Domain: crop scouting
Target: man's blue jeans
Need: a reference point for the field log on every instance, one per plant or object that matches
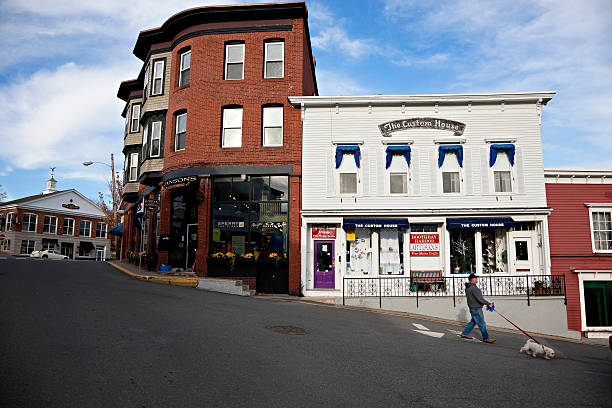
(477, 319)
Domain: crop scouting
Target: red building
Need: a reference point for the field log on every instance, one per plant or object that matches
(580, 231)
(211, 135)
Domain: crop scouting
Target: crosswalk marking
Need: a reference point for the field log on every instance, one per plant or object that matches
(430, 333)
(419, 326)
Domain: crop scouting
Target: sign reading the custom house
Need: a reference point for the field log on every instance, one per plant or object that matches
(179, 182)
(421, 123)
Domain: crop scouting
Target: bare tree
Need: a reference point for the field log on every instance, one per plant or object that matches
(3, 194)
(111, 218)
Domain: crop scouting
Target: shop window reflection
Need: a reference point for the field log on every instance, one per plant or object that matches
(462, 251)
(494, 251)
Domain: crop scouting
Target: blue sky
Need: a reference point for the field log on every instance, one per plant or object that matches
(63, 62)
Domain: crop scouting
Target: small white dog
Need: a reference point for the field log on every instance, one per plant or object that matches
(533, 348)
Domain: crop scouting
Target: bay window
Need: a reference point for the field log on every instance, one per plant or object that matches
(156, 128)
(135, 118)
(157, 87)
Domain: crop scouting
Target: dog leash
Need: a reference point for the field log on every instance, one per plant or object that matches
(492, 309)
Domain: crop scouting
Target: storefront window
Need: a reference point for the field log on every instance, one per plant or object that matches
(358, 250)
(183, 212)
(462, 250)
(391, 251)
(494, 250)
(250, 215)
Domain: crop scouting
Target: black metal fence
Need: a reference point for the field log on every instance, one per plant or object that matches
(527, 286)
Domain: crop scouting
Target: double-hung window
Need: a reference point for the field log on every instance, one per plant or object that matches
(10, 219)
(601, 229)
(146, 82)
(156, 128)
(232, 127)
(451, 173)
(157, 87)
(133, 166)
(50, 224)
(501, 166)
(398, 175)
(234, 61)
(180, 132)
(85, 228)
(145, 140)
(185, 68)
(273, 126)
(68, 226)
(135, 121)
(348, 174)
(27, 246)
(101, 230)
(274, 59)
(29, 222)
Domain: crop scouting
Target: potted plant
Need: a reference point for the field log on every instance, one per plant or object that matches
(245, 265)
(220, 264)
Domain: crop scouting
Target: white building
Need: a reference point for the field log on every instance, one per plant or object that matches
(424, 186)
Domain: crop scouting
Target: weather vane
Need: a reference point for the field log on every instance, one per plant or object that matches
(52, 171)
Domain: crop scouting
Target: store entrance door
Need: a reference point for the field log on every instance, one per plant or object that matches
(192, 245)
(525, 254)
(324, 265)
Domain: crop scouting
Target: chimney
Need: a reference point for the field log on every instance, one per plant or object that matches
(51, 186)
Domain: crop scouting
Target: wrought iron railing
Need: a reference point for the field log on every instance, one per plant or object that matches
(527, 286)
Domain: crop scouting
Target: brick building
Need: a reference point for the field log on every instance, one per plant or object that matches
(580, 229)
(65, 221)
(211, 135)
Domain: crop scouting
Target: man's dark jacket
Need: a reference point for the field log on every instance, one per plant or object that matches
(474, 296)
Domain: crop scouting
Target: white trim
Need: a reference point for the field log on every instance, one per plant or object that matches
(158, 74)
(7, 221)
(44, 219)
(182, 68)
(227, 47)
(272, 125)
(500, 140)
(448, 140)
(82, 221)
(599, 205)
(590, 275)
(226, 126)
(397, 142)
(64, 223)
(266, 59)
(176, 131)
(35, 222)
(159, 147)
(135, 118)
(347, 142)
(28, 204)
(598, 210)
(133, 165)
(105, 229)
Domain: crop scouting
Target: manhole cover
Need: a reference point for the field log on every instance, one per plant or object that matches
(287, 329)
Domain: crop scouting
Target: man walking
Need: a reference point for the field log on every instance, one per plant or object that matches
(475, 302)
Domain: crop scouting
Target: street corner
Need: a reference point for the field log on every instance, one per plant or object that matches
(168, 280)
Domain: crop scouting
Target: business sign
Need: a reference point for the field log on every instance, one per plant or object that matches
(375, 223)
(324, 233)
(179, 182)
(460, 223)
(421, 123)
(71, 206)
(151, 204)
(424, 244)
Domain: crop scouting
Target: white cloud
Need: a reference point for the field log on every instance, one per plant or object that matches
(335, 83)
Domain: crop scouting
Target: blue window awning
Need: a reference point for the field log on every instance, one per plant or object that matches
(442, 150)
(495, 148)
(398, 150)
(118, 230)
(342, 150)
(375, 223)
(463, 223)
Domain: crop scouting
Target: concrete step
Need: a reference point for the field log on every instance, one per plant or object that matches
(229, 286)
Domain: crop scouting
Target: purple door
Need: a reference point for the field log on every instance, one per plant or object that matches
(324, 275)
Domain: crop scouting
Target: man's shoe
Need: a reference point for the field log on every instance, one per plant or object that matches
(489, 340)
(466, 336)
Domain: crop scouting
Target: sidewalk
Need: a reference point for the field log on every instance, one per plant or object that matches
(132, 270)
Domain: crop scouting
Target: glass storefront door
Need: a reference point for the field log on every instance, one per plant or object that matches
(324, 273)
(192, 245)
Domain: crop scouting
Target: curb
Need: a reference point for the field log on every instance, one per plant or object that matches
(174, 281)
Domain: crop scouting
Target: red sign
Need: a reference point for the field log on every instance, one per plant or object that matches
(324, 233)
(424, 245)
(2, 237)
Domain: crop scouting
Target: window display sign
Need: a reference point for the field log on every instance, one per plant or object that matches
(424, 244)
(324, 233)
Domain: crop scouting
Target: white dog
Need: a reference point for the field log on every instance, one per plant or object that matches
(533, 348)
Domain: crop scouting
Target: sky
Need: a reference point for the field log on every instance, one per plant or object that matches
(62, 62)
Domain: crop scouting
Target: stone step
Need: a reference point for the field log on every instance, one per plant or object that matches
(229, 286)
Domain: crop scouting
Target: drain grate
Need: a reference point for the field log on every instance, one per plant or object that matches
(287, 330)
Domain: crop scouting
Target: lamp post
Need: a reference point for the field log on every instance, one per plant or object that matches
(112, 167)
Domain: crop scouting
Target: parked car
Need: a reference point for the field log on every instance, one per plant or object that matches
(47, 253)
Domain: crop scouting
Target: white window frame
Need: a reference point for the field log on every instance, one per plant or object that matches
(103, 230)
(146, 81)
(30, 222)
(590, 275)
(227, 127)
(282, 60)
(9, 221)
(156, 136)
(5, 245)
(227, 62)
(135, 118)
(182, 68)
(158, 75)
(502, 164)
(88, 228)
(64, 226)
(598, 208)
(28, 248)
(348, 166)
(133, 166)
(45, 231)
(398, 166)
(267, 125)
(450, 161)
(145, 140)
(177, 131)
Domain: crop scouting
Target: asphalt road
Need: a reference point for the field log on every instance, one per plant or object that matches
(82, 334)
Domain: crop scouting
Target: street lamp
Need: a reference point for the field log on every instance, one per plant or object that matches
(112, 167)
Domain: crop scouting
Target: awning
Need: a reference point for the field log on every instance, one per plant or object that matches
(342, 150)
(454, 223)
(118, 230)
(399, 150)
(375, 223)
(86, 245)
(442, 150)
(495, 148)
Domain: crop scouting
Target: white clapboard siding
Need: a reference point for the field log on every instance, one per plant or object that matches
(415, 172)
(467, 169)
(484, 170)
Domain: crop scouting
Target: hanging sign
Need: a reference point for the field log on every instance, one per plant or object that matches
(178, 182)
(424, 244)
(151, 204)
(421, 123)
(324, 233)
(2, 237)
